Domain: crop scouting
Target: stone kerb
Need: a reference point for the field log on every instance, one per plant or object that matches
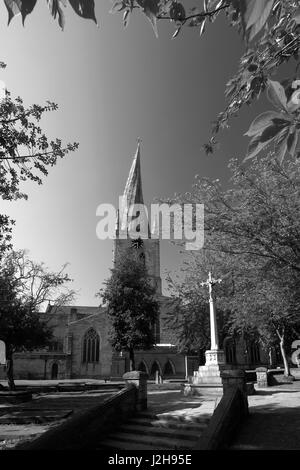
(139, 380)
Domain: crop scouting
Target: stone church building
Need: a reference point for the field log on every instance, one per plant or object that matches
(80, 347)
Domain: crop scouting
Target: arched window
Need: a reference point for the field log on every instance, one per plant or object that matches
(54, 371)
(155, 367)
(142, 367)
(169, 369)
(254, 353)
(90, 347)
(230, 351)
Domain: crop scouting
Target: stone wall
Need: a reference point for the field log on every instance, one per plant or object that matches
(77, 330)
(38, 366)
(86, 429)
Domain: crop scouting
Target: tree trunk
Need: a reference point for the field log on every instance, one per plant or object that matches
(10, 369)
(131, 359)
(271, 357)
(283, 354)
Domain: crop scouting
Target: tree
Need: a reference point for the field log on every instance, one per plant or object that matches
(190, 318)
(26, 153)
(25, 287)
(267, 303)
(252, 230)
(271, 31)
(132, 308)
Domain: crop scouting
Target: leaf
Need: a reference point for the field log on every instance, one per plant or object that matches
(55, 7)
(84, 8)
(259, 17)
(276, 95)
(151, 9)
(296, 16)
(126, 17)
(292, 141)
(281, 151)
(119, 5)
(177, 12)
(294, 102)
(281, 144)
(261, 141)
(176, 32)
(26, 8)
(13, 8)
(261, 122)
(202, 28)
(254, 14)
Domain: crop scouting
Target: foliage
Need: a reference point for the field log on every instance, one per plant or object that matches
(252, 231)
(26, 153)
(189, 317)
(83, 8)
(25, 286)
(270, 29)
(281, 126)
(34, 284)
(21, 328)
(258, 216)
(132, 307)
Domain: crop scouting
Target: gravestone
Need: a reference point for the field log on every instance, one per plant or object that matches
(296, 353)
(262, 377)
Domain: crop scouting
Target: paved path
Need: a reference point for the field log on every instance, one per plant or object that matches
(185, 408)
(274, 420)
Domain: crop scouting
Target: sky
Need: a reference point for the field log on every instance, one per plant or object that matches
(113, 86)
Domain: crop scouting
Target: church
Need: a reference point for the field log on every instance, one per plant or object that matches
(80, 347)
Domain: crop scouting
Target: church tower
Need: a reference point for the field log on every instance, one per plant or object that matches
(149, 247)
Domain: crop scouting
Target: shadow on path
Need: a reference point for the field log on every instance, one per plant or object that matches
(273, 423)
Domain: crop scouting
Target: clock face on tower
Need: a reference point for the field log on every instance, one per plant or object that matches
(137, 243)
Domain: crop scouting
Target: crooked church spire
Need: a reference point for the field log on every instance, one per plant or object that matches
(127, 223)
(133, 193)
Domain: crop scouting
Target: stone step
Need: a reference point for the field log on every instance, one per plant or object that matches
(159, 431)
(14, 397)
(164, 423)
(113, 444)
(173, 418)
(201, 388)
(156, 442)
